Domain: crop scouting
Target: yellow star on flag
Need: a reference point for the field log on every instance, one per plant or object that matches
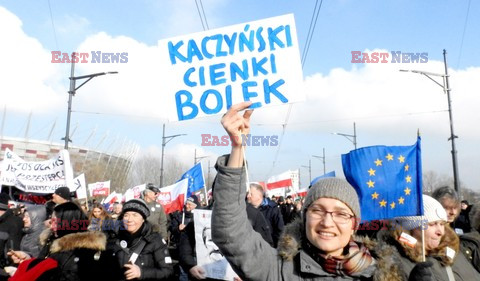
(389, 157)
(400, 200)
(401, 159)
(383, 203)
(371, 172)
(392, 205)
(378, 162)
(406, 168)
(407, 191)
(375, 195)
(408, 179)
(370, 183)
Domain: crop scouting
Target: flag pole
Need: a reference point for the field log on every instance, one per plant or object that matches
(247, 183)
(423, 244)
(183, 217)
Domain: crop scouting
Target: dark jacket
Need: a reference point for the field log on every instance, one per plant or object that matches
(253, 258)
(10, 235)
(175, 222)
(259, 223)
(78, 256)
(470, 247)
(30, 243)
(273, 215)
(158, 219)
(186, 246)
(154, 259)
(407, 258)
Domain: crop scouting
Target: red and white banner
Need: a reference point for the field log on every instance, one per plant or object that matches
(283, 184)
(134, 192)
(283, 180)
(302, 192)
(99, 188)
(172, 197)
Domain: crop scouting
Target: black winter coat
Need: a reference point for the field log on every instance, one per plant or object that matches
(274, 218)
(154, 260)
(74, 257)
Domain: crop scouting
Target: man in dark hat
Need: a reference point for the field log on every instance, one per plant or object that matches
(157, 218)
(61, 195)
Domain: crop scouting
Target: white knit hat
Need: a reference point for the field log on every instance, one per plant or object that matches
(432, 211)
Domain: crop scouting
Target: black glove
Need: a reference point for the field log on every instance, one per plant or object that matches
(422, 272)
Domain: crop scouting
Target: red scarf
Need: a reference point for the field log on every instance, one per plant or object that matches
(357, 259)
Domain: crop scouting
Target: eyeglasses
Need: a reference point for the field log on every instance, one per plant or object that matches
(337, 216)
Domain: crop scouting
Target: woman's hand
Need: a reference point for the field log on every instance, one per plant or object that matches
(198, 272)
(237, 125)
(18, 256)
(133, 271)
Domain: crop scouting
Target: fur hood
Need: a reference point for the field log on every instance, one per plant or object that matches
(94, 240)
(449, 239)
(290, 244)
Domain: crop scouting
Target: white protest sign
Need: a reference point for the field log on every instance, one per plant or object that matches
(80, 186)
(134, 192)
(206, 73)
(37, 176)
(99, 188)
(209, 257)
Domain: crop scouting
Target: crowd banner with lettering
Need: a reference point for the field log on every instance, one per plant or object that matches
(37, 176)
(99, 188)
(206, 73)
(80, 187)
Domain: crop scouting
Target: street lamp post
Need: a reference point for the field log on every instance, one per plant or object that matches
(309, 169)
(72, 92)
(352, 138)
(196, 159)
(165, 140)
(446, 89)
(323, 159)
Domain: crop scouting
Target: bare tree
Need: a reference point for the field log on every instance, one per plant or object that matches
(146, 168)
(432, 180)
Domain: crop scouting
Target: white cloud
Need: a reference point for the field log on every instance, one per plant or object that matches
(29, 80)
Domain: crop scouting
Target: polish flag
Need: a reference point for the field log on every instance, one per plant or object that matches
(302, 192)
(134, 192)
(172, 197)
(280, 181)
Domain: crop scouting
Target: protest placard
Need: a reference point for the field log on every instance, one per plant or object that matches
(37, 176)
(209, 257)
(206, 73)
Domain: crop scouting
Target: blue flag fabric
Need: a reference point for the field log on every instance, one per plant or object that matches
(327, 175)
(388, 180)
(195, 179)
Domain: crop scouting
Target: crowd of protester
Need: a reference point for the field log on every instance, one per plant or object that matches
(263, 238)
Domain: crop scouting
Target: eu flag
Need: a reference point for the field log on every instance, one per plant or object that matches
(195, 179)
(388, 180)
(327, 175)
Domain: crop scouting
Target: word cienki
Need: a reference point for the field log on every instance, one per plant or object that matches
(392, 57)
(248, 140)
(96, 57)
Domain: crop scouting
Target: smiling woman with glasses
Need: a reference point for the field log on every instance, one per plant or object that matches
(318, 245)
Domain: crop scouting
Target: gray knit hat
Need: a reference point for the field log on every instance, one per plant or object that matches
(334, 188)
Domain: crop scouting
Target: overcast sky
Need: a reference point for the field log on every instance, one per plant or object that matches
(387, 106)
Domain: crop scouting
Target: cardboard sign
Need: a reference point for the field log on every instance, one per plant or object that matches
(206, 73)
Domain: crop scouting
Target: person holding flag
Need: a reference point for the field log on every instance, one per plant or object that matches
(320, 246)
(442, 259)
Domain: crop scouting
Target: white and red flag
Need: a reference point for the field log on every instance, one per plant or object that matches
(172, 197)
